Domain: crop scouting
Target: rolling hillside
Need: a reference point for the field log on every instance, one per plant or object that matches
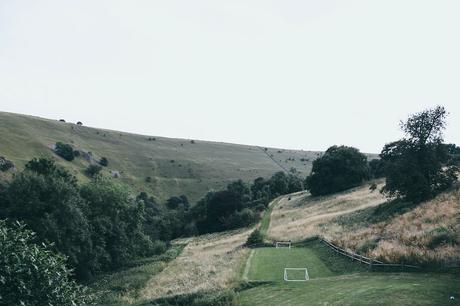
(175, 166)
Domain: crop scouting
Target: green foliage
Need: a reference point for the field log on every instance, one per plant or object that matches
(93, 170)
(48, 200)
(104, 161)
(340, 168)
(255, 238)
(32, 274)
(417, 167)
(64, 150)
(376, 168)
(116, 224)
(240, 205)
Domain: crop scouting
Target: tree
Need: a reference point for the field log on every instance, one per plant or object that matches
(46, 198)
(64, 150)
(340, 168)
(104, 161)
(376, 168)
(33, 274)
(416, 167)
(255, 238)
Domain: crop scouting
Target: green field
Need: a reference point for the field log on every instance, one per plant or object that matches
(175, 166)
(268, 264)
(335, 280)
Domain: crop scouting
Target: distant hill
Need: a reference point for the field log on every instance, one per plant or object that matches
(175, 166)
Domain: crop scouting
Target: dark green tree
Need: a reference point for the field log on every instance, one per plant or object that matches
(416, 167)
(33, 274)
(64, 150)
(340, 168)
(47, 199)
(376, 168)
(104, 161)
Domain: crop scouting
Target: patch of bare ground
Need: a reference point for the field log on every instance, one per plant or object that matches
(429, 233)
(208, 262)
(304, 216)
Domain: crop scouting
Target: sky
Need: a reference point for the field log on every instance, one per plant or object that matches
(289, 74)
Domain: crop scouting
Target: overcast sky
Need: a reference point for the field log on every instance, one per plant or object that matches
(288, 73)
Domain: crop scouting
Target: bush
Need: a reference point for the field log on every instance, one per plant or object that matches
(340, 168)
(5, 164)
(255, 238)
(104, 161)
(64, 150)
(32, 274)
(93, 170)
(148, 179)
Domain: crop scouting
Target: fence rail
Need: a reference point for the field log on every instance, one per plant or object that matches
(365, 260)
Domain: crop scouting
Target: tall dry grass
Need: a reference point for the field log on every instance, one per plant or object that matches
(208, 262)
(429, 233)
(304, 216)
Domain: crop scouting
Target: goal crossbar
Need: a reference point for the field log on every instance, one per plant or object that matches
(306, 276)
(280, 244)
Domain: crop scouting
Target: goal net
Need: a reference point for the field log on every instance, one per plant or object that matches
(283, 244)
(296, 274)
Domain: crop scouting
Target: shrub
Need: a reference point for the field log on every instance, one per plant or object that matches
(340, 168)
(104, 161)
(148, 179)
(79, 123)
(76, 153)
(5, 164)
(93, 170)
(61, 120)
(64, 150)
(255, 238)
(373, 187)
(32, 274)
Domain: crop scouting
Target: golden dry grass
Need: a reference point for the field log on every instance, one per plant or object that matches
(208, 262)
(417, 236)
(304, 216)
(411, 236)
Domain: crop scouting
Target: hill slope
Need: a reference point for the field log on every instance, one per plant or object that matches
(176, 166)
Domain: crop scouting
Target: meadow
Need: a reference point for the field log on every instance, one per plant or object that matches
(175, 166)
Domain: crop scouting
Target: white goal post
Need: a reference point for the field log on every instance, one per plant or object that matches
(303, 279)
(280, 244)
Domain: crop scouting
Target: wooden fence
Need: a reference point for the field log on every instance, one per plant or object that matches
(366, 260)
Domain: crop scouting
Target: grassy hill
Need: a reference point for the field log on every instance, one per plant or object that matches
(176, 166)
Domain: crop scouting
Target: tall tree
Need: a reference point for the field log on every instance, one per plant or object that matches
(416, 166)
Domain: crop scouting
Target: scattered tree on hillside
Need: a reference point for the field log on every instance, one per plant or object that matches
(33, 274)
(104, 161)
(5, 164)
(340, 168)
(416, 167)
(64, 150)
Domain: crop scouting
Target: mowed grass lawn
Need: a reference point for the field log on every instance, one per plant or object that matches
(267, 264)
(359, 289)
(335, 280)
